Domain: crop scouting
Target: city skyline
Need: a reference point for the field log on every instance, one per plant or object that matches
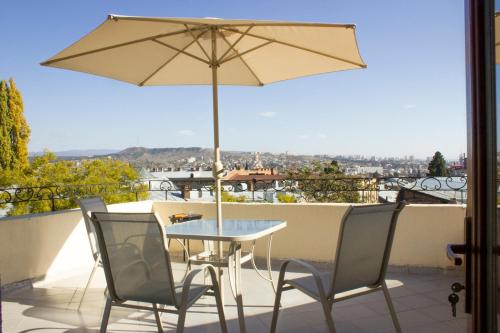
(408, 102)
(105, 151)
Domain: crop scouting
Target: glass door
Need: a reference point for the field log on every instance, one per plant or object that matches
(481, 288)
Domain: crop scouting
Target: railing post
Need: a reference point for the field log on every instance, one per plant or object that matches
(53, 202)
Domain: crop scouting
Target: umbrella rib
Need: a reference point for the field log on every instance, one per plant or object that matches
(243, 61)
(243, 23)
(181, 51)
(170, 60)
(234, 44)
(245, 52)
(48, 62)
(300, 48)
(289, 24)
(197, 41)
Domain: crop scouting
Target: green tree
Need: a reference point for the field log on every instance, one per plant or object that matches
(325, 182)
(286, 198)
(228, 197)
(437, 166)
(113, 180)
(19, 131)
(5, 126)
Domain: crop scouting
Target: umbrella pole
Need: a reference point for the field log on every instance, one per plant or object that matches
(217, 167)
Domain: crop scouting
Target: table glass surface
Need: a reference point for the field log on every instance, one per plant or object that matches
(231, 229)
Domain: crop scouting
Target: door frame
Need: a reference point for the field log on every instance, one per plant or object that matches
(481, 162)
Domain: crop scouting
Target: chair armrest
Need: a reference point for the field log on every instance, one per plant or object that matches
(189, 279)
(310, 268)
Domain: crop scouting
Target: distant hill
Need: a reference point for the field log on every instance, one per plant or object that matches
(154, 157)
(142, 155)
(79, 152)
(176, 157)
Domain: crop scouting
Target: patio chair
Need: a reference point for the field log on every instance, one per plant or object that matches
(88, 205)
(137, 268)
(363, 250)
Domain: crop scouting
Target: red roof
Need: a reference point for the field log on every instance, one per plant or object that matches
(246, 178)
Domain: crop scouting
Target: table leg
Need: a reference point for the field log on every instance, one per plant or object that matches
(231, 268)
(220, 255)
(269, 268)
(237, 285)
(268, 260)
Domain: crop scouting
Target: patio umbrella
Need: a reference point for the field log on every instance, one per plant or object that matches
(150, 51)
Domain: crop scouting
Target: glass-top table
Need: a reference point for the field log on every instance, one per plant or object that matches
(234, 232)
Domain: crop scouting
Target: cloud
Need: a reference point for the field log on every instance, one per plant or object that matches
(304, 136)
(267, 114)
(409, 106)
(185, 132)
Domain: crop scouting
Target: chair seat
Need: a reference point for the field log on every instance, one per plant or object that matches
(158, 292)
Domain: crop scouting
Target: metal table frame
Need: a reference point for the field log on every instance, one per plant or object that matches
(234, 259)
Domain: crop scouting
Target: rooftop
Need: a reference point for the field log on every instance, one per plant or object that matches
(45, 262)
(420, 299)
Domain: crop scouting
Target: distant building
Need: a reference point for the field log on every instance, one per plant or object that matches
(423, 197)
(364, 170)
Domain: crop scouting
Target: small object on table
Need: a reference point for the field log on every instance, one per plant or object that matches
(183, 217)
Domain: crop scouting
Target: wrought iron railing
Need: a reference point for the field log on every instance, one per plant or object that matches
(52, 193)
(367, 188)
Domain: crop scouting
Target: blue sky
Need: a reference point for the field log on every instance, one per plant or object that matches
(409, 101)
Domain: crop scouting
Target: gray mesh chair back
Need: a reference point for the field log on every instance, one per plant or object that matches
(364, 246)
(137, 268)
(135, 260)
(363, 251)
(88, 205)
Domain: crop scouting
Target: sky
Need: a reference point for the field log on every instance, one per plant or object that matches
(409, 101)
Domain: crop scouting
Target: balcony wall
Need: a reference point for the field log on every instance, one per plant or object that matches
(45, 245)
(422, 233)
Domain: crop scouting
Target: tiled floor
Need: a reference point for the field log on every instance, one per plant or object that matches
(420, 301)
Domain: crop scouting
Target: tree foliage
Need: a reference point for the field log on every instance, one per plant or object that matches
(286, 198)
(14, 130)
(228, 197)
(437, 166)
(320, 182)
(113, 180)
(19, 131)
(5, 126)
(46, 177)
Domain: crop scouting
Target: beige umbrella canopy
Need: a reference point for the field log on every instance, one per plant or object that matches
(182, 51)
(174, 51)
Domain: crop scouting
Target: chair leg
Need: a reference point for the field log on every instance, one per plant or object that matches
(276, 309)
(220, 309)
(327, 308)
(394, 316)
(182, 318)
(105, 316)
(157, 317)
(94, 269)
